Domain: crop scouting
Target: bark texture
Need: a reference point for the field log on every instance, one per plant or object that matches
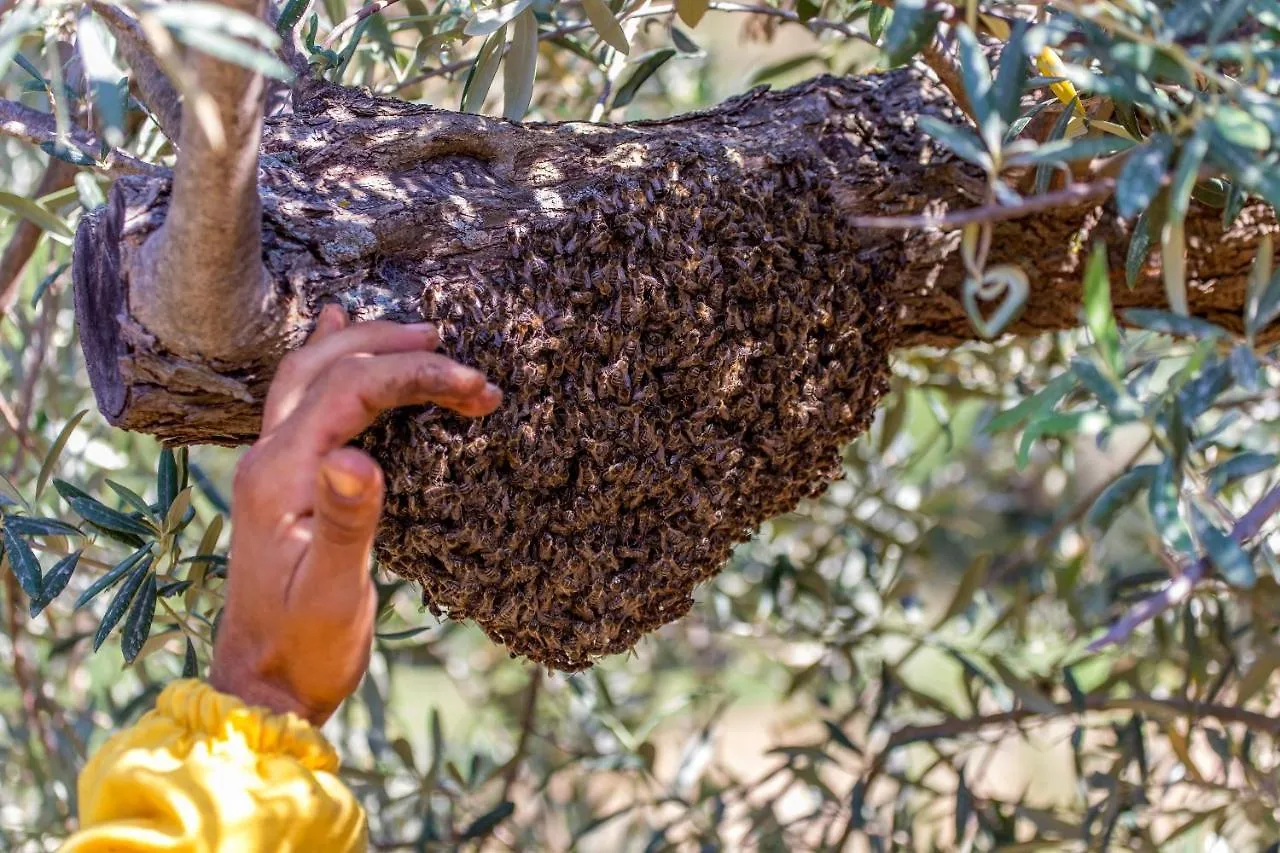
(685, 325)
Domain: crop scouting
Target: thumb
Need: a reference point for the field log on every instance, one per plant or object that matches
(348, 502)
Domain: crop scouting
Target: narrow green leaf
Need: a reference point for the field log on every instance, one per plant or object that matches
(1011, 76)
(290, 14)
(28, 209)
(1139, 247)
(1058, 133)
(174, 519)
(483, 71)
(48, 281)
(112, 577)
(130, 497)
(101, 516)
(521, 67)
(1231, 561)
(190, 664)
(120, 603)
(230, 49)
(975, 74)
(627, 91)
(607, 25)
(1177, 325)
(1240, 467)
(487, 821)
(877, 21)
(137, 627)
(912, 25)
(1240, 128)
(166, 479)
(1163, 500)
(1118, 495)
(405, 634)
(1031, 698)
(1042, 401)
(1099, 315)
(1143, 171)
(51, 458)
(55, 581)
(489, 21)
(1072, 150)
(960, 140)
(23, 562)
(27, 525)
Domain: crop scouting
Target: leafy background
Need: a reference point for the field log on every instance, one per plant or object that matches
(1039, 612)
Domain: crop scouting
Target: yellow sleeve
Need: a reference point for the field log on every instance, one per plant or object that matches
(205, 773)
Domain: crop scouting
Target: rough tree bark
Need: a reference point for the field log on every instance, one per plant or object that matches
(349, 182)
(685, 323)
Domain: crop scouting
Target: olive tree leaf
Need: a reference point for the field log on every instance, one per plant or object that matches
(644, 70)
(55, 451)
(35, 212)
(483, 71)
(913, 24)
(521, 67)
(137, 627)
(1099, 314)
(120, 603)
(607, 25)
(1231, 561)
(489, 21)
(55, 581)
(1139, 180)
(113, 576)
(23, 562)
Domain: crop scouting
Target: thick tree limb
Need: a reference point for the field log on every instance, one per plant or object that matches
(367, 199)
(198, 282)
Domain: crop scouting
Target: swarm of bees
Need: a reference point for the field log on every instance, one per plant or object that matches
(683, 357)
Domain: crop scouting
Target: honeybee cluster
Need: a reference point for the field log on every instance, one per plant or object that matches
(683, 357)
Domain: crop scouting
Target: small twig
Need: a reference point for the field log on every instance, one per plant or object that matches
(527, 718)
(350, 23)
(1176, 590)
(1074, 194)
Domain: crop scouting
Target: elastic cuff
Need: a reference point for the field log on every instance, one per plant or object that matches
(197, 706)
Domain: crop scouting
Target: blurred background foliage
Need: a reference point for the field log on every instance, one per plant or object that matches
(1039, 613)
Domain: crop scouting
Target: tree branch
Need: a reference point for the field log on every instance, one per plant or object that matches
(201, 287)
(39, 129)
(154, 88)
(1148, 705)
(1176, 590)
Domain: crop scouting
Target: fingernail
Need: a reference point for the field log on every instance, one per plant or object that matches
(343, 484)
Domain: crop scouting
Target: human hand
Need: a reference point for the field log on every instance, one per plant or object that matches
(296, 631)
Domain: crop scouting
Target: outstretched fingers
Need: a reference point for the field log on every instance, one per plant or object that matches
(356, 389)
(332, 341)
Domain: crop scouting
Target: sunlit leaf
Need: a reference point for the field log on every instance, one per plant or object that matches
(521, 67)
